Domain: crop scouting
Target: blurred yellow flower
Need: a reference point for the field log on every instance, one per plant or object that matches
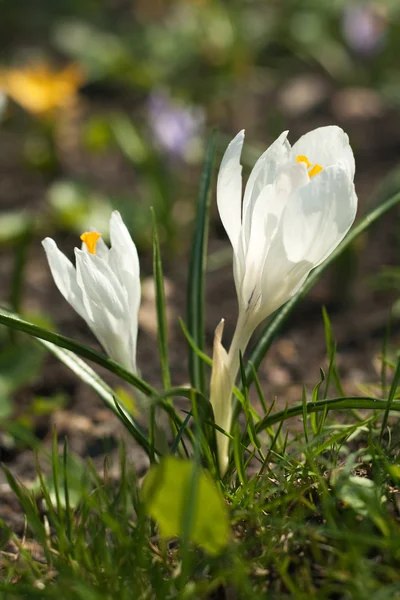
(39, 89)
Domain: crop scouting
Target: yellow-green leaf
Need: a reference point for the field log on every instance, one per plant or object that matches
(165, 491)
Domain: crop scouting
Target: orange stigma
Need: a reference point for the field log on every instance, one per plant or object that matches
(312, 169)
(90, 238)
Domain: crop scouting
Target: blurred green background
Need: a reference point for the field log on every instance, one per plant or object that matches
(109, 104)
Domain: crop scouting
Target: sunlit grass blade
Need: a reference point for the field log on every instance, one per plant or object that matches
(390, 400)
(247, 408)
(352, 402)
(197, 269)
(179, 436)
(315, 398)
(55, 472)
(28, 503)
(238, 456)
(162, 333)
(331, 350)
(131, 427)
(385, 345)
(202, 355)
(273, 326)
(106, 393)
(15, 322)
(272, 446)
(304, 405)
(258, 388)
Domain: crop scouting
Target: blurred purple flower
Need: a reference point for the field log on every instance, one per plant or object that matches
(174, 125)
(363, 28)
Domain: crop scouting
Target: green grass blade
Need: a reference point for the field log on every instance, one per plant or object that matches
(55, 473)
(304, 405)
(202, 355)
(272, 328)
(162, 334)
(238, 456)
(15, 322)
(331, 350)
(392, 394)
(106, 393)
(197, 268)
(68, 524)
(352, 402)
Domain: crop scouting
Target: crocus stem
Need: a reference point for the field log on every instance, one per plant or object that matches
(239, 343)
(223, 411)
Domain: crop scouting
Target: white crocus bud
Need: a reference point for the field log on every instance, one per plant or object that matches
(104, 288)
(221, 387)
(298, 205)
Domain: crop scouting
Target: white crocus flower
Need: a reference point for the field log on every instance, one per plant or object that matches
(299, 203)
(104, 288)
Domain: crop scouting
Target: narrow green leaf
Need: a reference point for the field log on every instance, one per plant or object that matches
(238, 456)
(272, 446)
(204, 357)
(162, 334)
(304, 404)
(106, 393)
(178, 437)
(273, 326)
(258, 388)
(16, 322)
(392, 394)
(385, 345)
(331, 350)
(30, 508)
(55, 472)
(66, 492)
(349, 403)
(248, 411)
(197, 269)
(315, 398)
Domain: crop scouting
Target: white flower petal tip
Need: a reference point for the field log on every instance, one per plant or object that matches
(298, 204)
(104, 288)
(219, 330)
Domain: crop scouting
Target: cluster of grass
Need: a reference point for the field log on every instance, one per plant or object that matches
(319, 518)
(313, 514)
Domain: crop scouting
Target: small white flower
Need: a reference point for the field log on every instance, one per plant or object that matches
(104, 289)
(298, 205)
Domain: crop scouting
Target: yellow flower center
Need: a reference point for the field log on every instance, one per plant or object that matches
(312, 169)
(90, 238)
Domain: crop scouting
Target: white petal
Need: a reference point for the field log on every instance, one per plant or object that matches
(264, 172)
(64, 275)
(121, 239)
(98, 282)
(280, 278)
(319, 215)
(124, 261)
(106, 302)
(326, 146)
(257, 246)
(229, 189)
(265, 220)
